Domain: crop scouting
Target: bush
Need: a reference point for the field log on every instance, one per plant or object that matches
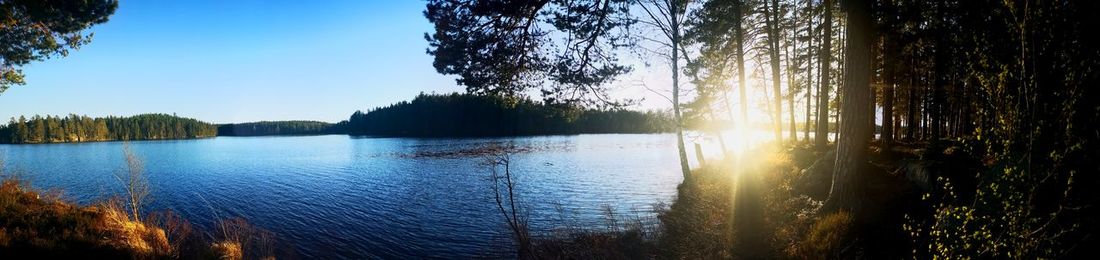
(827, 236)
(32, 225)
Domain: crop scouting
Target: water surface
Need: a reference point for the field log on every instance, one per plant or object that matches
(346, 197)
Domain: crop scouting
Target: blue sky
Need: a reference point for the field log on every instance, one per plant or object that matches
(238, 61)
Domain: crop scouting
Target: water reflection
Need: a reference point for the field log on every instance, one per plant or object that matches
(341, 197)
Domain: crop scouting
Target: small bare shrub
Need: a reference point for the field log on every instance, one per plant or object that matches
(135, 182)
(503, 187)
(239, 238)
(179, 232)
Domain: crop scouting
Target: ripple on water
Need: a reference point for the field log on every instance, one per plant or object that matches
(340, 197)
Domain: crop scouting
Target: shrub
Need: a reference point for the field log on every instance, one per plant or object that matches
(31, 225)
(827, 236)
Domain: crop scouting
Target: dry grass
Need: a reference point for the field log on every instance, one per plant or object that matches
(698, 223)
(770, 221)
(747, 209)
(750, 208)
(624, 236)
(31, 225)
(827, 236)
(227, 250)
(137, 236)
(47, 227)
(237, 238)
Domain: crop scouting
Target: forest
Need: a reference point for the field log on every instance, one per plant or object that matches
(74, 128)
(985, 106)
(297, 127)
(947, 129)
(466, 115)
(427, 115)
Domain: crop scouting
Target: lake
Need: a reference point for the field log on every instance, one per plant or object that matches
(339, 196)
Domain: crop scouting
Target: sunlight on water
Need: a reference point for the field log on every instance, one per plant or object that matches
(737, 142)
(349, 197)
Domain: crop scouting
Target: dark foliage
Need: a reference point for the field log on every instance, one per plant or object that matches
(458, 115)
(1011, 81)
(278, 128)
(34, 30)
(504, 47)
(73, 128)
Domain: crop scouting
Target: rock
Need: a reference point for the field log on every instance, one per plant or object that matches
(816, 180)
(921, 173)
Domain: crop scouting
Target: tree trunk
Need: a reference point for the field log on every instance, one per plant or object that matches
(791, 75)
(740, 35)
(852, 140)
(821, 137)
(911, 124)
(771, 21)
(675, 26)
(809, 68)
(838, 79)
(940, 70)
(887, 134)
(793, 128)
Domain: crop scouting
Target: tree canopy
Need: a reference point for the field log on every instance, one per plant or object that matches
(297, 127)
(461, 115)
(35, 30)
(564, 48)
(73, 128)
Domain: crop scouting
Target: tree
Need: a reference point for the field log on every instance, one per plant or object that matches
(504, 47)
(503, 186)
(21, 131)
(854, 132)
(134, 182)
(55, 129)
(810, 39)
(771, 21)
(667, 16)
(821, 135)
(463, 115)
(889, 66)
(566, 49)
(37, 30)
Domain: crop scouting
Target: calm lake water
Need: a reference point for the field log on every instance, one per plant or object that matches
(337, 196)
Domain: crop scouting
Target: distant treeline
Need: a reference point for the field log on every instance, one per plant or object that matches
(450, 115)
(458, 115)
(278, 128)
(74, 128)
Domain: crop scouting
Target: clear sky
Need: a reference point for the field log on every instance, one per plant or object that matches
(239, 61)
(252, 60)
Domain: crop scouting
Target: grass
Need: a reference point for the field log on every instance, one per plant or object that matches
(766, 207)
(770, 222)
(827, 236)
(31, 224)
(629, 236)
(44, 226)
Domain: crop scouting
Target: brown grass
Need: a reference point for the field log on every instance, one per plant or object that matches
(826, 236)
(31, 225)
(47, 227)
(237, 238)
